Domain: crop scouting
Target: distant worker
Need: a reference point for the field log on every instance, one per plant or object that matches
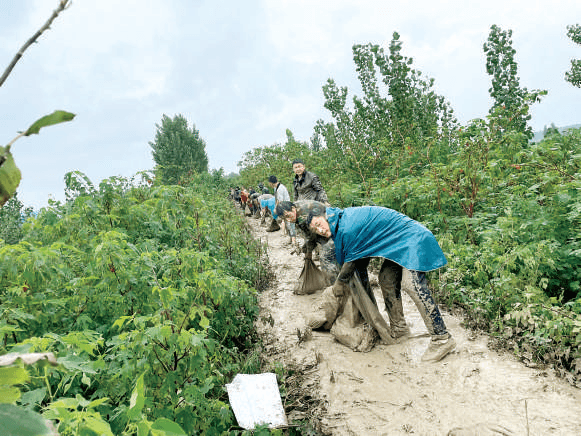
(281, 194)
(263, 189)
(307, 185)
(237, 198)
(243, 197)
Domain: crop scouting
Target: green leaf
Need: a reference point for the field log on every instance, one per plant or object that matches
(137, 400)
(95, 425)
(9, 394)
(56, 117)
(12, 375)
(9, 176)
(6, 328)
(16, 421)
(32, 398)
(165, 427)
(86, 380)
(143, 428)
(97, 403)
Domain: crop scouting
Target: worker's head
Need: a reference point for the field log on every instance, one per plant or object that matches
(272, 181)
(298, 167)
(319, 225)
(287, 210)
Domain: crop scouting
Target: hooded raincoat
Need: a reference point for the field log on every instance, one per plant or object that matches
(372, 231)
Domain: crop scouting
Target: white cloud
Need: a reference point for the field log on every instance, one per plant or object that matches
(244, 72)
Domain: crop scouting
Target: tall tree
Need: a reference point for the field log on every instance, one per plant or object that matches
(509, 97)
(178, 149)
(573, 76)
(12, 216)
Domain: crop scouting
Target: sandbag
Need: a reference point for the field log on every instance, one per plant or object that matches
(247, 211)
(273, 226)
(350, 330)
(325, 310)
(369, 310)
(311, 279)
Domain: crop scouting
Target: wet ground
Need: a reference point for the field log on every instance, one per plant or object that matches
(389, 391)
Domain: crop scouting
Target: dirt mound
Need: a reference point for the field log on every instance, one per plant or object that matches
(389, 391)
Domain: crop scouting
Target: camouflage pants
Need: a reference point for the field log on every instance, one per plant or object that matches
(390, 277)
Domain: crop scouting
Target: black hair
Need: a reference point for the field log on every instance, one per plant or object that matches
(310, 218)
(314, 212)
(284, 206)
(272, 179)
(296, 161)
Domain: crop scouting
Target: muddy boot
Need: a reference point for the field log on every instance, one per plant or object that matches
(316, 321)
(273, 226)
(438, 349)
(400, 333)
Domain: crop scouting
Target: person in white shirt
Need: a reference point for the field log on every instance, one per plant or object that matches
(281, 194)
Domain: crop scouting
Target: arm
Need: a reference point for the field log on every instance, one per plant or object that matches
(341, 285)
(317, 186)
(346, 272)
(309, 246)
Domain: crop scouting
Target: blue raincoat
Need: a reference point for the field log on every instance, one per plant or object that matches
(372, 231)
(270, 203)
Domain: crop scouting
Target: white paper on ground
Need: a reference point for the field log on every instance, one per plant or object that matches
(255, 400)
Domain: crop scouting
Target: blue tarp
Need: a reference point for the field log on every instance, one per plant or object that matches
(372, 231)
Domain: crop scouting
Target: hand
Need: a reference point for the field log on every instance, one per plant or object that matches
(296, 249)
(340, 288)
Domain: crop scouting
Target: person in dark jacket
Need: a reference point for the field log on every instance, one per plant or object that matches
(307, 185)
(361, 233)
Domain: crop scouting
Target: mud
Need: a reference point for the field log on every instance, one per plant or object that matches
(389, 391)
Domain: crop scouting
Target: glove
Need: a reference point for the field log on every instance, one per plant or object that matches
(340, 288)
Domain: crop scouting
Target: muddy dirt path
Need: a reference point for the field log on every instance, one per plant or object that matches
(389, 391)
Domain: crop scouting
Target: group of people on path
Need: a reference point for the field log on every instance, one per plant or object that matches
(349, 238)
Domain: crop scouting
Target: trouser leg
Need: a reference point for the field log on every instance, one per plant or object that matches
(390, 282)
(361, 268)
(426, 305)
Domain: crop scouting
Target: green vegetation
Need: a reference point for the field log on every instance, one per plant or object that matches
(145, 289)
(507, 212)
(177, 150)
(146, 294)
(573, 76)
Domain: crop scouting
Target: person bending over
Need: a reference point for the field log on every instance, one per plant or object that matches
(361, 233)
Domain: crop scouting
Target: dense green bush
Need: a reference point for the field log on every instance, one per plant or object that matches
(146, 294)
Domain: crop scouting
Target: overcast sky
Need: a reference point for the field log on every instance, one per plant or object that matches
(244, 71)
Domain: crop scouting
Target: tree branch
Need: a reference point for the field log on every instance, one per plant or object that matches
(63, 4)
